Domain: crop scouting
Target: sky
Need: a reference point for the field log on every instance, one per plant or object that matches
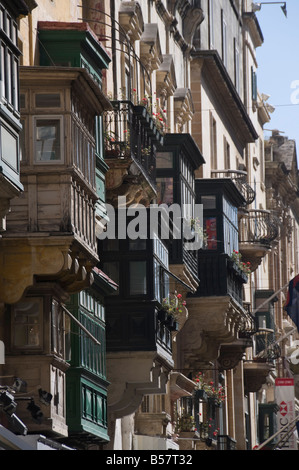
(278, 66)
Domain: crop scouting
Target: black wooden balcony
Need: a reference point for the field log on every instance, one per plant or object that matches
(130, 132)
(240, 179)
(132, 326)
(220, 276)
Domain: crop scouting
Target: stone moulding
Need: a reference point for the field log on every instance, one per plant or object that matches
(211, 322)
(134, 377)
(52, 258)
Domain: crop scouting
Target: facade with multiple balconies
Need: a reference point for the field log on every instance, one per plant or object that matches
(145, 342)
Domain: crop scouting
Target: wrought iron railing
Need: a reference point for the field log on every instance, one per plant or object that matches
(225, 442)
(249, 324)
(258, 226)
(240, 179)
(267, 348)
(131, 132)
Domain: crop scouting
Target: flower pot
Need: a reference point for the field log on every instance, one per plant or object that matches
(162, 316)
(170, 321)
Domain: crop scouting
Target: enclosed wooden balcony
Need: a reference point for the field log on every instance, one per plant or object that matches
(258, 229)
(54, 220)
(139, 339)
(219, 276)
(216, 312)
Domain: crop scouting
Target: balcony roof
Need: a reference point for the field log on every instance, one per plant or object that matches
(250, 19)
(69, 32)
(232, 106)
(225, 185)
(67, 76)
(188, 146)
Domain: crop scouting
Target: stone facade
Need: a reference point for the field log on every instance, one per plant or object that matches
(170, 114)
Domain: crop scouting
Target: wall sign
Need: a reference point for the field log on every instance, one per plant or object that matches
(285, 399)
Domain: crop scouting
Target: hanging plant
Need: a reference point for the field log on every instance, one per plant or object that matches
(174, 305)
(236, 257)
(212, 391)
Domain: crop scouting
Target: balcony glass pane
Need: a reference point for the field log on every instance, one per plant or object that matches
(27, 324)
(165, 191)
(2, 72)
(137, 244)
(208, 202)
(47, 140)
(157, 280)
(164, 160)
(210, 224)
(137, 277)
(9, 148)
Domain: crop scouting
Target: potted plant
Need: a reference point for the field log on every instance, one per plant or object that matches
(236, 259)
(173, 306)
(215, 394)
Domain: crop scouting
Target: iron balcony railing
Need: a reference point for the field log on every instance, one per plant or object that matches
(258, 226)
(225, 442)
(250, 323)
(240, 179)
(131, 132)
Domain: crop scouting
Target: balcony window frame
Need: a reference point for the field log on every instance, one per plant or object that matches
(60, 328)
(9, 59)
(14, 167)
(33, 349)
(49, 117)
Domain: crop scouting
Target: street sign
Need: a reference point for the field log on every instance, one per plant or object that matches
(285, 399)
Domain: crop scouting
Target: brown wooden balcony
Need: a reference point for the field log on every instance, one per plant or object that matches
(54, 220)
(257, 230)
(130, 138)
(240, 179)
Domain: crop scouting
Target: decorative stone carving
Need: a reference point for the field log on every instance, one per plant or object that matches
(165, 77)
(180, 386)
(150, 48)
(231, 354)
(255, 375)
(131, 19)
(183, 106)
(125, 179)
(45, 258)
(134, 375)
(212, 321)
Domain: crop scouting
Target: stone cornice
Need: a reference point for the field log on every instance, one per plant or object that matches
(251, 21)
(219, 81)
(131, 19)
(150, 48)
